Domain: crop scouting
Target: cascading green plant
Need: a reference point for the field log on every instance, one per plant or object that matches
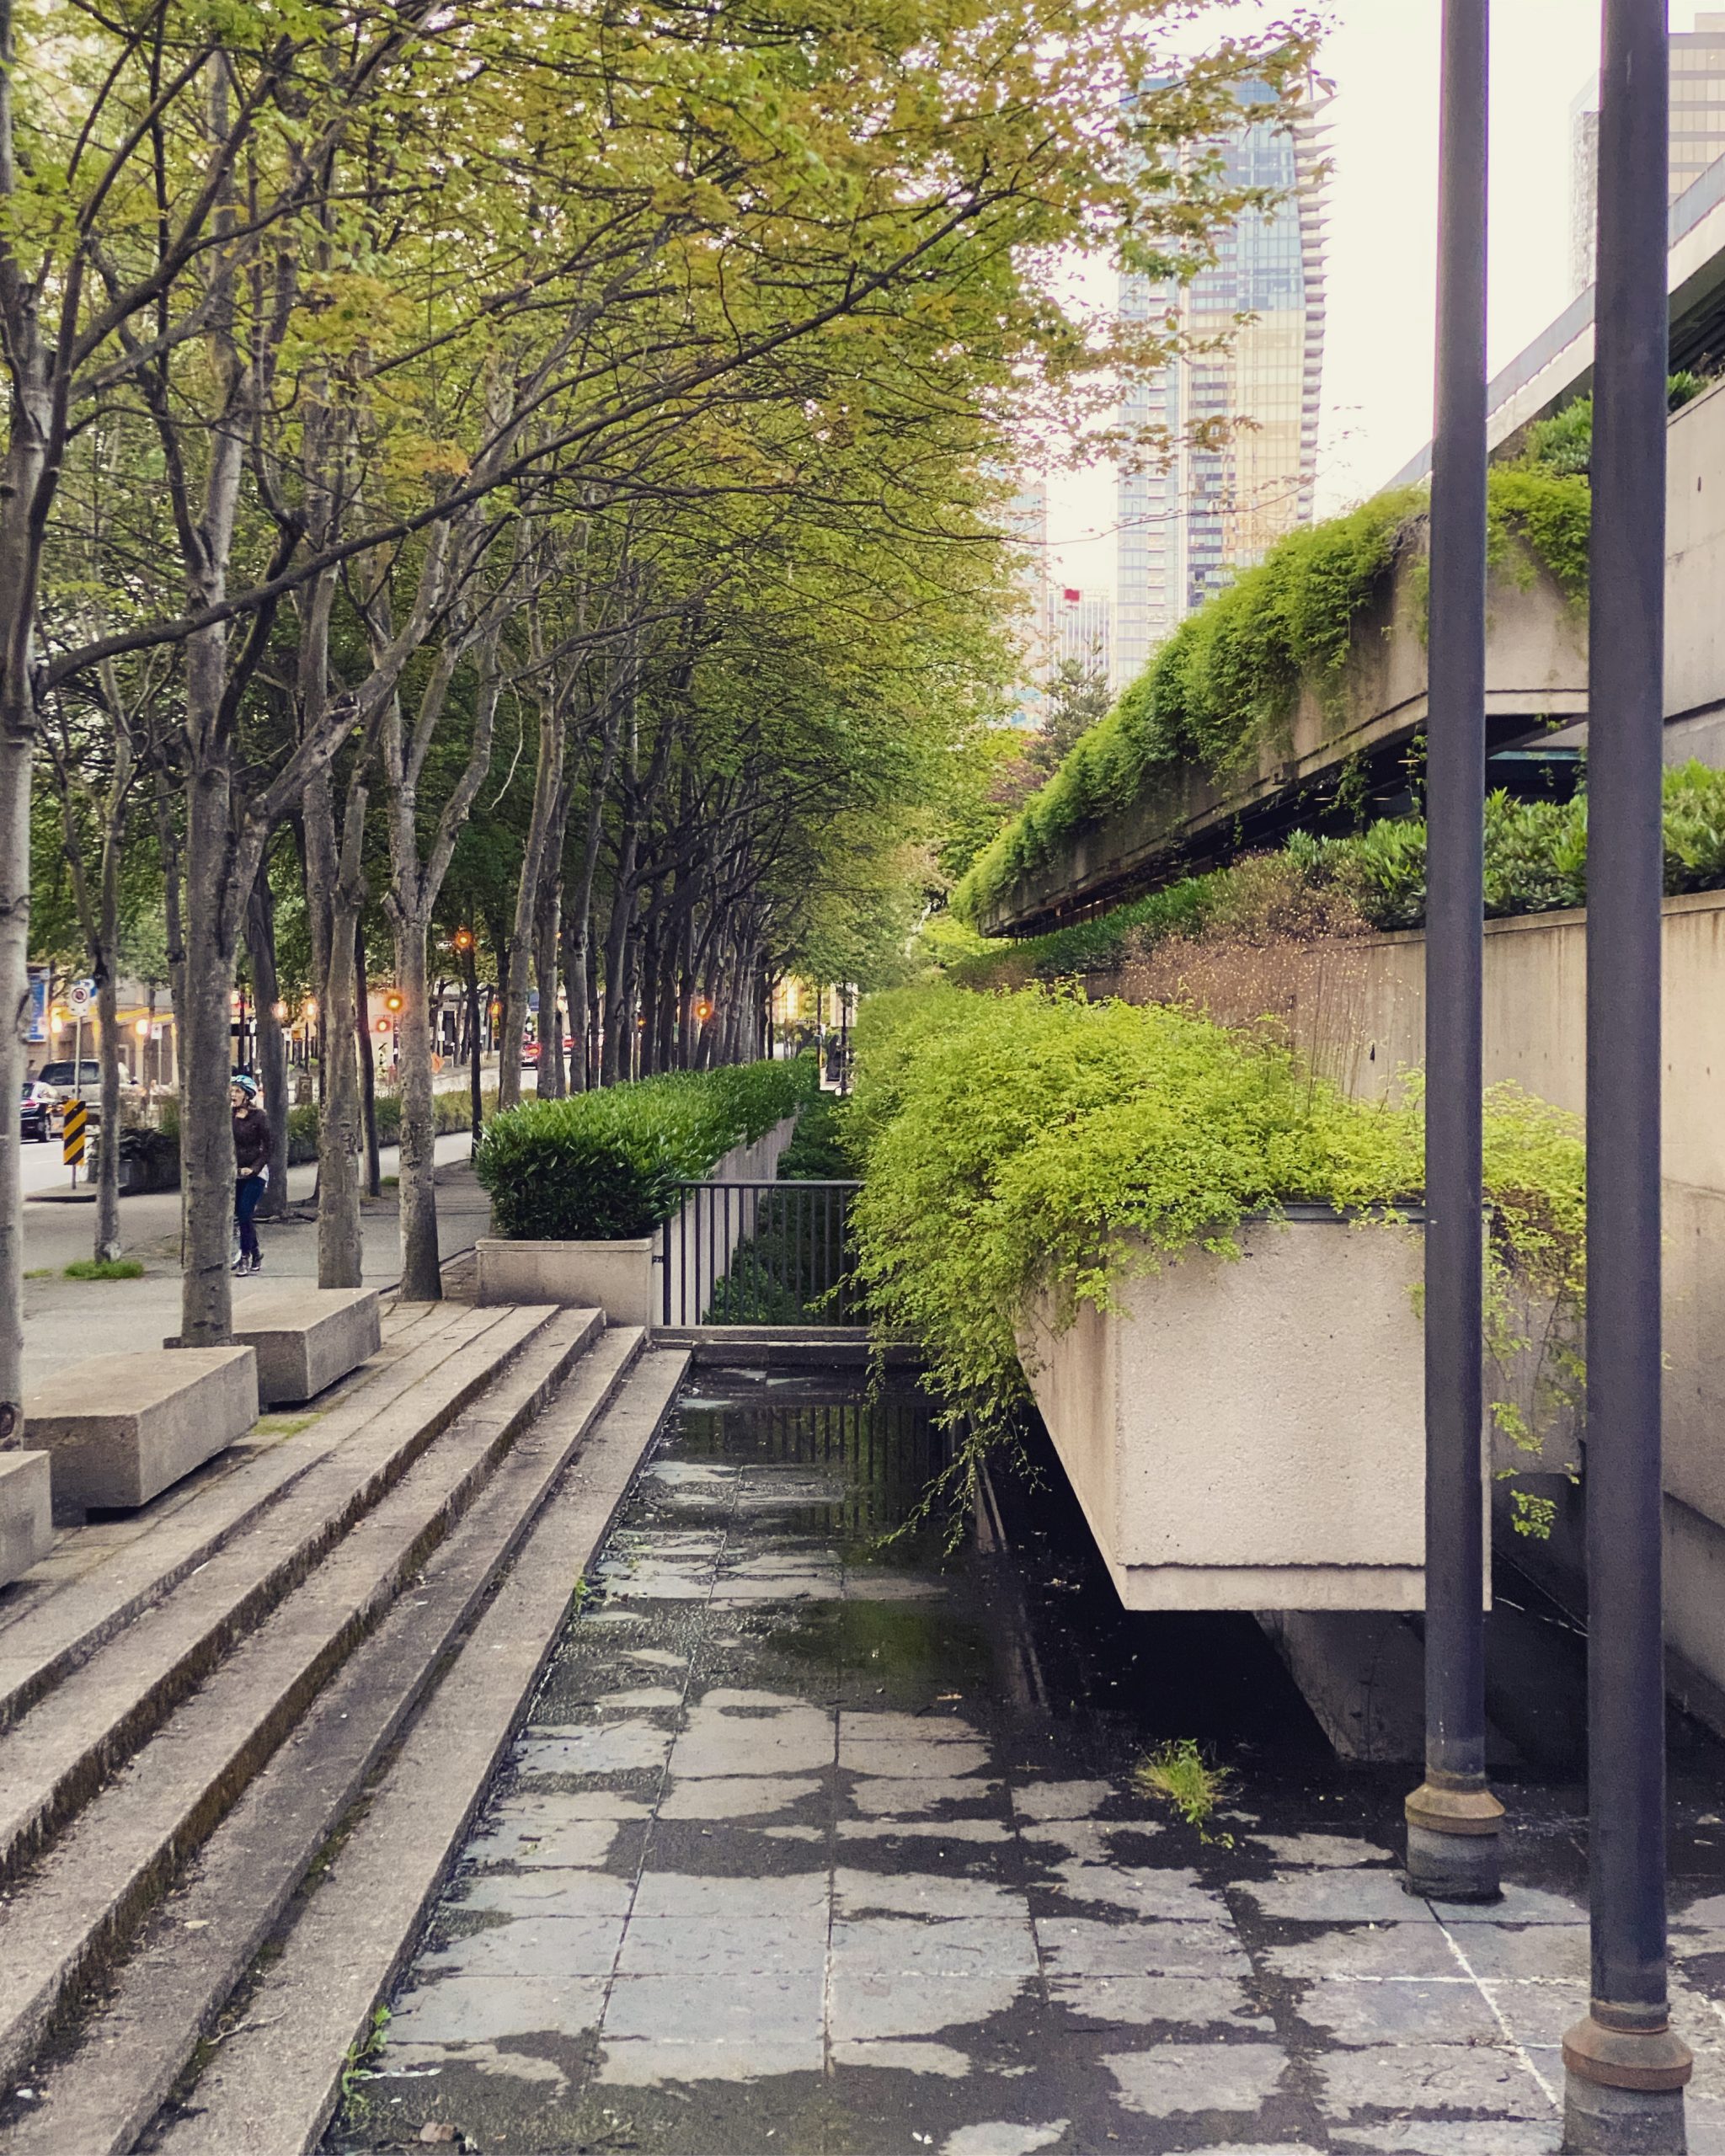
(1228, 679)
(1033, 1143)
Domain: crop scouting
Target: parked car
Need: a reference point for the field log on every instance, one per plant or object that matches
(38, 1111)
(65, 1078)
(530, 1056)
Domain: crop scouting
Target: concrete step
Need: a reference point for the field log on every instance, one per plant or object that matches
(270, 2085)
(193, 1950)
(76, 1909)
(52, 1622)
(59, 1754)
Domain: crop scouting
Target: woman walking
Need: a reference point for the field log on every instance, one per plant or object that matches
(251, 1159)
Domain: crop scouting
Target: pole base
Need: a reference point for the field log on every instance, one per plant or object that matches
(1454, 1844)
(1602, 2122)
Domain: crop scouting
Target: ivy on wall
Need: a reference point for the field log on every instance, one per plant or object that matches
(1229, 678)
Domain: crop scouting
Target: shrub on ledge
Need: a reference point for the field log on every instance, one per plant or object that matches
(605, 1165)
(1013, 1145)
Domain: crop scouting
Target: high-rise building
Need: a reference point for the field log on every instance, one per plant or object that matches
(1026, 527)
(1186, 526)
(1697, 133)
(1080, 630)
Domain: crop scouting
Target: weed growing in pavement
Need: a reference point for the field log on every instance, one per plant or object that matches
(105, 1269)
(1178, 1773)
(364, 2051)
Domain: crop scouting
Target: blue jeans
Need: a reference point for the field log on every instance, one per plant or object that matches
(247, 1194)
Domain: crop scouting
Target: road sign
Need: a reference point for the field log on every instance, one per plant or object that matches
(81, 995)
(72, 1133)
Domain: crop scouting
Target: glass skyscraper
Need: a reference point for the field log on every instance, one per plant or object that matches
(1185, 528)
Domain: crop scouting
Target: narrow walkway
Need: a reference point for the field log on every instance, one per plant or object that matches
(813, 1846)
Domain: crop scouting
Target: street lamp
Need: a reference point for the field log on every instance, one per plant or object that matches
(278, 1011)
(1625, 2070)
(1453, 1817)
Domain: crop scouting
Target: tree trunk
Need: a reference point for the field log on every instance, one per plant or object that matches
(206, 1169)
(272, 1043)
(107, 969)
(368, 1065)
(421, 1274)
(340, 1244)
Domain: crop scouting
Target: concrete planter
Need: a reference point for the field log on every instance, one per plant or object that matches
(1250, 1433)
(619, 1277)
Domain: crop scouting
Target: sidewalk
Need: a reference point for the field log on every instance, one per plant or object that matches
(66, 1321)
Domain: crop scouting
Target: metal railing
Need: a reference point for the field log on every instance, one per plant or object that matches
(759, 1253)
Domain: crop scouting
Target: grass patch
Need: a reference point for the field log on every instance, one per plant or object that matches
(1178, 1773)
(40, 1272)
(105, 1269)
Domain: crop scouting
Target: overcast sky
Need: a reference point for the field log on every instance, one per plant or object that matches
(1382, 57)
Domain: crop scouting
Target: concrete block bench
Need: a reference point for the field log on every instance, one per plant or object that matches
(26, 1524)
(121, 1429)
(307, 1338)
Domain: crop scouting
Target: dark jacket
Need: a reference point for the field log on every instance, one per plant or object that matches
(251, 1141)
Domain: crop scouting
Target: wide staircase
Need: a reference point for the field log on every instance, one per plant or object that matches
(241, 1735)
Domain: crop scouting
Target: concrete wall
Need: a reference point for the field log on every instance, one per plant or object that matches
(1250, 1433)
(1368, 1031)
(620, 1278)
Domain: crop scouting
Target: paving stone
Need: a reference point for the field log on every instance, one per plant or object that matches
(552, 1947)
(1002, 2138)
(1397, 2009)
(547, 1893)
(1431, 2077)
(1081, 1947)
(922, 1893)
(620, 1747)
(1518, 1905)
(734, 1797)
(722, 1741)
(889, 2055)
(868, 1947)
(658, 1946)
(738, 2007)
(924, 1793)
(535, 1831)
(1552, 1953)
(909, 1759)
(1060, 1799)
(1345, 1896)
(1188, 2002)
(458, 2010)
(1186, 2078)
(955, 1830)
(1366, 1949)
(786, 1899)
(648, 2062)
(880, 2003)
(1458, 2138)
(1176, 1896)
(1328, 1850)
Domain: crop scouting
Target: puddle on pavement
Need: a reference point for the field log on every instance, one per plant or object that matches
(817, 1841)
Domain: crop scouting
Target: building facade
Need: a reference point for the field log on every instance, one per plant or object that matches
(1185, 527)
(1698, 134)
(1080, 630)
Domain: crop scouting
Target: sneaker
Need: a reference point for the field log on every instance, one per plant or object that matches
(240, 1265)
(257, 1263)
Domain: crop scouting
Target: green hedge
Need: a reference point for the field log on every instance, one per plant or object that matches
(607, 1164)
(1536, 861)
(1229, 676)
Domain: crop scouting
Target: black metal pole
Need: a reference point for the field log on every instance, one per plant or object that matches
(1626, 2070)
(1453, 1819)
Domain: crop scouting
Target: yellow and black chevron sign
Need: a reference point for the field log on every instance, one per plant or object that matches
(72, 1133)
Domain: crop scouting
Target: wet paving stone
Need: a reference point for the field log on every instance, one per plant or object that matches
(820, 1844)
